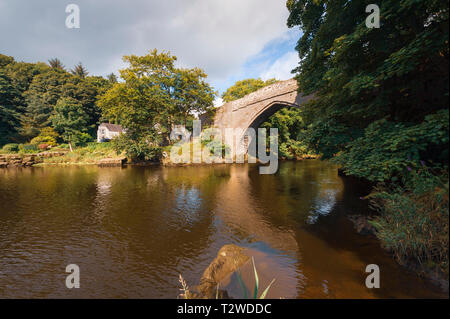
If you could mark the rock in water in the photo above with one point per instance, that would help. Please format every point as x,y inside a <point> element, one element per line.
<point>228,260</point>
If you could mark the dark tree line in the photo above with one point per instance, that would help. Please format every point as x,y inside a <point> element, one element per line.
<point>29,93</point>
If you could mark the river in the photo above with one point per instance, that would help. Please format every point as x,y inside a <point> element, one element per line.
<point>133,230</point>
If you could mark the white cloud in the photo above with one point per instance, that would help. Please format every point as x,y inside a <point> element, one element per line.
<point>281,68</point>
<point>218,101</point>
<point>216,35</point>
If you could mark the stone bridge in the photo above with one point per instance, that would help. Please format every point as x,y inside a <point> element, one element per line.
<point>255,108</point>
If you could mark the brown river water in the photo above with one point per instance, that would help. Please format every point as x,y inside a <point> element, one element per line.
<point>133,230</point>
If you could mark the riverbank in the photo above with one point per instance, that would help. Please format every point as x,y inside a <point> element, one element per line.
<point>401,219</point>
<point>91,154</point>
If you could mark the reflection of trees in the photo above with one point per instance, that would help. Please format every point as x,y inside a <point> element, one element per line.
<point>161,218</point>
<point>297,193</point>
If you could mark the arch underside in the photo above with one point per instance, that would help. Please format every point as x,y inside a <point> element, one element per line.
<point>260,118</point>
<point>268,111</point>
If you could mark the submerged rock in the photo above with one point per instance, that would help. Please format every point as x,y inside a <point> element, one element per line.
<point>229,259</point>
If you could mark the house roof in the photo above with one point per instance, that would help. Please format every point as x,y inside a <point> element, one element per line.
<point>113,127</point>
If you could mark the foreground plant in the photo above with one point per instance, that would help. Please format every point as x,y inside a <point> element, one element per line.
<point>414,218</point>
<point>185,288</point>
<point>186,294</point>
<point>255,289</point>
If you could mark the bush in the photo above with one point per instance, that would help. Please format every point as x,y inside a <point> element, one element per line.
<point>137,150</point>
<point>387,148</point>
<point>47,135</point>
<point>11,148</point>
<point>28,148</point>
<point>294,150</point>
<point>82,139</point>
<point>414,218</point>
<point>215,146</point>
<point>48,140</point>
<point>63,146</point>
<point>48,131</point>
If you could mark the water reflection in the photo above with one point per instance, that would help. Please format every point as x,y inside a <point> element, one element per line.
<point>133,230</point>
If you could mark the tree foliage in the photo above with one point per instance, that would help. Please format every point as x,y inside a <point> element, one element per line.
<point>79,70</point>
<point>154,96</point>
<point>381,111</point>
<point>71,121</point>
<point>9,109</point>
<point>243,87</point>
<point>363,78</point>
<point>56,63</point>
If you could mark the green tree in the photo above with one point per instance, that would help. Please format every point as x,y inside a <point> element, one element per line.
<point>5,60</point>
<point>112,78</point>
<point>70,120</point>
<point>41,98</point>
<point>47,88</point>
<point>79,70</point>
<point>55,63</point>
<point>85,92</point>
<point>153,96</point>
<point>191,94</point>
<point>381,111</point>
<point>397,73</point>
<point>9,109</point>
<point>20,76</point>
<point>243,87</point>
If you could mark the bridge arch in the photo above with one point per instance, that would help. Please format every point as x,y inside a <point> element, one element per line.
<point>253,109</point>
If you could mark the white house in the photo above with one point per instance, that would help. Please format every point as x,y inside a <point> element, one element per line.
<point>107,131</point>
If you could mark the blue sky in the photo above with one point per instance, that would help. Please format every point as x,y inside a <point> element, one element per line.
<point>276,60</point>
<point>231,40</point>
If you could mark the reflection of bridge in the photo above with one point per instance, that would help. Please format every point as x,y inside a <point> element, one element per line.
<point>253,109</point>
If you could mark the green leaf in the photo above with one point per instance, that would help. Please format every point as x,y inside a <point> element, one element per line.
<point>263,295</point>
<point>255,293</point>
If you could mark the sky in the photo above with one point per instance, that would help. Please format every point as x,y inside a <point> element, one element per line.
<point>229,39</point>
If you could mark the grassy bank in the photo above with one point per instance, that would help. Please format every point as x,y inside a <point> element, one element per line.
<point>89,154</point>
<point>413,221</point>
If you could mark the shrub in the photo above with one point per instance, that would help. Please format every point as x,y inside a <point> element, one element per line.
<point>47,135</point>
<point>414,218</point>
<point>63,146</point>
<point>215,146</point>
<point>48,140</point>
<point>28,148</point>
<point>82,139</point>
<point>293,149</point>
<point>387,148</point>
<point>43,140</point>
<point>48,131</point>
<point>11,148</point>
<point>137,150</point>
